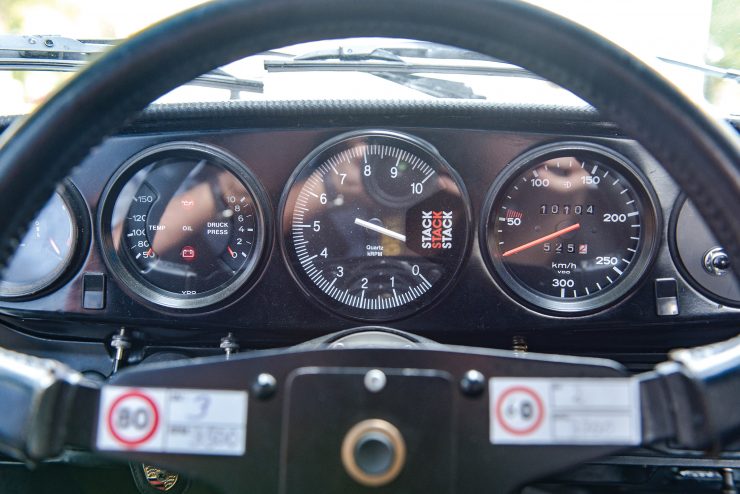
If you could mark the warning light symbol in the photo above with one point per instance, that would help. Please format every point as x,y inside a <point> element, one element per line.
<point>188,253</point>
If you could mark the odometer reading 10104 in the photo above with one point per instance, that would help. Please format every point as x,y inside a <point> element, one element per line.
<point>375,225</point>
<point>571,228</point>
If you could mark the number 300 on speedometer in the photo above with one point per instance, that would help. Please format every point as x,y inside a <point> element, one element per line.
<point>570,228</point>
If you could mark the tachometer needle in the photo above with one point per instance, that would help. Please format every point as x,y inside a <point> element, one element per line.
<point>541,240</point>
<point>380,229</point>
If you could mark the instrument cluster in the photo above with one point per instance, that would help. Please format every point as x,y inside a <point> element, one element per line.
<point>371,225</point>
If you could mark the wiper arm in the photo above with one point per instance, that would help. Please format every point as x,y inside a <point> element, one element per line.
<point>60,54</point>
<point>710,70</point>
<point>385,61</point>
<point>388,64</point>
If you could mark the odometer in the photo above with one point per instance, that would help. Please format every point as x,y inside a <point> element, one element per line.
<point>184,227</point>
<point>570,228</point>
<point>375,224</point>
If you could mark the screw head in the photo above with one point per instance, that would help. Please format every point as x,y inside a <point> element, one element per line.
<point>473,383</point>
<point>264,386</point>
<point>375,380</point>
<point>49,43</point>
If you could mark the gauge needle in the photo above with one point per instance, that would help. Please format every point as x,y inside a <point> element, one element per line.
<point>380,229</point>
<point>54,246</point>
<point>541,240</point>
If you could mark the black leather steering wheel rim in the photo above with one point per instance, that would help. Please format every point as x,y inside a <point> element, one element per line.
<point>700,153</point>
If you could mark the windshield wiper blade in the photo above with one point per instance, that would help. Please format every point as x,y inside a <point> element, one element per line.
<point>710,70</point>
<point>489,69</point>
<point>443,60</point>
<point>61,54</point>
<point>382,63</point>
<point>439,88</point>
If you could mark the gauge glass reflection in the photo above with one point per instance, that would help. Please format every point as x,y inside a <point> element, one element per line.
<point>375,225</point>
<point>187,226</point>
<point>569,229</point>
<point>44,253</point>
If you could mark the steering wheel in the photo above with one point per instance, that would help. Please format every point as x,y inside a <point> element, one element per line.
<point>700,153</point>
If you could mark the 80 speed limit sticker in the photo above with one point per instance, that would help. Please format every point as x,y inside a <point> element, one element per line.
<point>194,421</point>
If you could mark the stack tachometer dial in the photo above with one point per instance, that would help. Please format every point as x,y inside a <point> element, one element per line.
<point>570,228</point>
<point>184,225</point>
<point>375,224</point>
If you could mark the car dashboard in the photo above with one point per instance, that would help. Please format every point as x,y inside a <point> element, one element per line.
<point>211,229</point>
<point>265,296</point>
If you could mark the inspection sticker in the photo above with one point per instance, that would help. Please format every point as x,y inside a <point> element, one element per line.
<point>192,421</point>
<point>565,411</point>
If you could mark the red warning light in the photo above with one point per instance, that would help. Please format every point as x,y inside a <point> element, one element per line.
<point>188,253</point>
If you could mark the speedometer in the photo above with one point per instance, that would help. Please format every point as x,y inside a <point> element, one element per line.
<point>184,225</point>
<point>570,228</point>
<point>375,224</point>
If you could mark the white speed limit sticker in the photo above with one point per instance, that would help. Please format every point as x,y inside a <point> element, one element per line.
<point>564,411</point>
<point>194,421</point>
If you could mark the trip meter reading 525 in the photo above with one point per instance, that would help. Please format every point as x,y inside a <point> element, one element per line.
<point>375,224</point>
<point>570,228</point>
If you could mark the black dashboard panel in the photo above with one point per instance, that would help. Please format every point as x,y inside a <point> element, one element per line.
<point>273,310</point>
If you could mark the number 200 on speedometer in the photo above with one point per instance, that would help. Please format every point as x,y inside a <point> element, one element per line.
<point>570,228</point>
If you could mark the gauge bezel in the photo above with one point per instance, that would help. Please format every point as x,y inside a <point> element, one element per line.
<point>149,293</point>
<point>649,239</point>
<point>80,217</point>
<point>427,301</point>
<point>681,202</point>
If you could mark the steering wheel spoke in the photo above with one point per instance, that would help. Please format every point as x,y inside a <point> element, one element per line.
<point>405,419</point>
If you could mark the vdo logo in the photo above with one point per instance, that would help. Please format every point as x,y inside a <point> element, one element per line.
<point>436,230</point>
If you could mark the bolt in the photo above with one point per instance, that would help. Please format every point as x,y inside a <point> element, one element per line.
<point>473,383</point>
<point>49,43</point>
<point>519,344</point>
<point>229,345</point>
<point>121,343</point>
<point>375,380</point>
<point>264,386</point>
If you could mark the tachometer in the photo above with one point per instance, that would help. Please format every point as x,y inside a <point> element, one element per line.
<point>570,227</point>
<point>185,226</point>
<point>375,224</point>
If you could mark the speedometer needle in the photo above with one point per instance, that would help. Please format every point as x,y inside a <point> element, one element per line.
<point>380,229</point>
<point>541,240</point>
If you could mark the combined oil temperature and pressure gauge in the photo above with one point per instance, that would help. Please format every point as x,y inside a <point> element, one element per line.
<point>184,225</point>
<point>375,224</point>
<point>570,228</point>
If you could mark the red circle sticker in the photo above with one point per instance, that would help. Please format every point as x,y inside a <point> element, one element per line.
<point>520,411</point>
<point>133,419</point>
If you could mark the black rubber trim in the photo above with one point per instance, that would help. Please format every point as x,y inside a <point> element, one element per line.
<point>327,113</point>
<point>700,153</point>
<point>223,115</point>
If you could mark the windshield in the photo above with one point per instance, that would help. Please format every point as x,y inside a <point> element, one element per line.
<point>687,41</point>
